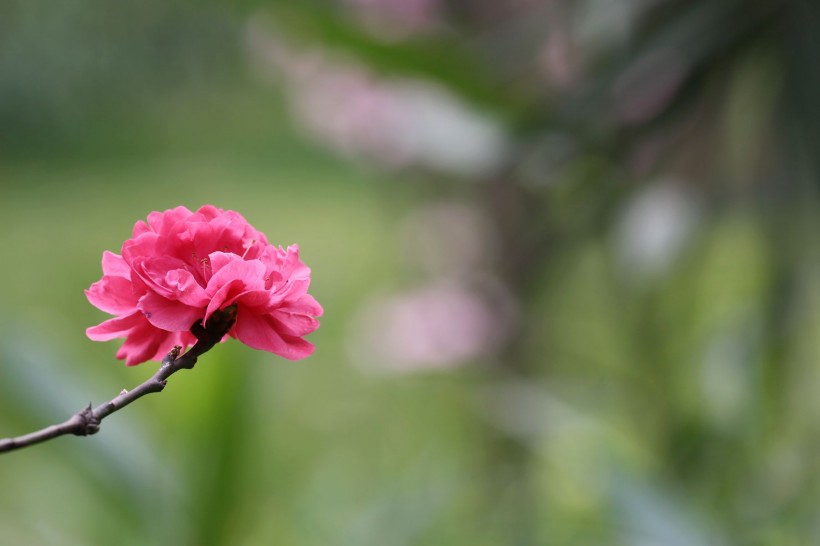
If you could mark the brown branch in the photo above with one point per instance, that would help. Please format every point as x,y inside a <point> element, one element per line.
<point>87,421</point>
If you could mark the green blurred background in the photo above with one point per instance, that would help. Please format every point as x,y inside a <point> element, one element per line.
<point>567,250</point>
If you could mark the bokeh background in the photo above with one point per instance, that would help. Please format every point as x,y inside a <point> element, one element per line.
<point>567,249</point>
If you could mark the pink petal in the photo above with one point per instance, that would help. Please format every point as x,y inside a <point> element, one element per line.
<point>220,260</point>
<point>140,227</point>
<point>257,299</point>
<point>169,315</point>
<point>218,235</point>
<point>186,288</point>
<point>305,305</point>
<point>162,222</point>
<point>294,289</point>
<point>139,247</point>
<point>209,212</point>
<point>230,267</point>
<point>144,343</point>
<point>183,339</point>
<point>196,239</point>
<point>293,324</point>
<point>114,265</point>
<point>153,272</point>
<point>115,327</point>
<point>224,297</point>
<point>113,295</point>
<point>293,266</point>
<point>258,332</point>
<point>232,278</point>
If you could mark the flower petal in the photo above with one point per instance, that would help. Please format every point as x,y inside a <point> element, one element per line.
<point>113,264</point>
<point>140,246</point>
<point>232,277</point>
<point>115,327</point>
<point>305,305</point>
<point>186,288</point>
<point>153,272</point>
<point>113,295</point>
<point>227,267</point>
<point>294,324</point>
<point>144,343</point>
<point>259,332</point>
<point>163,222</point>
<point>169,315</point>
<point>224,297</point>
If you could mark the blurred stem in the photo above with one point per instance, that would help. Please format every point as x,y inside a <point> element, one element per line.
<point>511,498</point>
<point>87,421</point>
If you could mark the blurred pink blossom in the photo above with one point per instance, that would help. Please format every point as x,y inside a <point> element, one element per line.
<point>392,122</point>
<point>439,326</point>
<point>462,314</point>
<point>392,20</point>
<point>180,267</point>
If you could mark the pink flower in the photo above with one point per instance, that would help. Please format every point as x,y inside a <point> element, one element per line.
<point>181,267</point>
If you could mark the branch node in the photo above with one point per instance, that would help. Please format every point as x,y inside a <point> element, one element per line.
<point>172,355</point>
<point>88,422</point>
